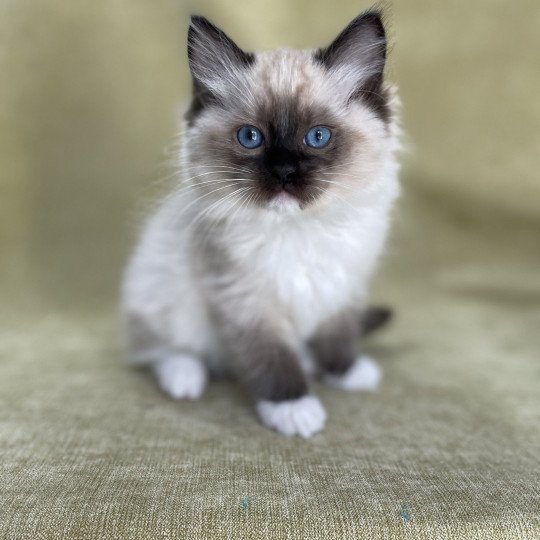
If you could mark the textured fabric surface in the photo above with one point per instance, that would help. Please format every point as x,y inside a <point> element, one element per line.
<point>448,448</point>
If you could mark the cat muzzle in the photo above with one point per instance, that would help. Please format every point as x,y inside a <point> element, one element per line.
<point>285,174</point>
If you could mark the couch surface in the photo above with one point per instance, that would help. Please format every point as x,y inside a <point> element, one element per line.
<point>448,448</point>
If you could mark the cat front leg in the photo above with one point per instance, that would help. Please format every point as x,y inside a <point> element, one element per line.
<point>180,373</point>
<point>270,368</point>
<point>334,348</point>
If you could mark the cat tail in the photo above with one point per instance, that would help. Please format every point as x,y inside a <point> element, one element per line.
<point>373,318</point>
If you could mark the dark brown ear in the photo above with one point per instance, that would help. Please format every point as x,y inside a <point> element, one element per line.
<point>213,56</point>
<point>359,53</point>
<point>214,60</point>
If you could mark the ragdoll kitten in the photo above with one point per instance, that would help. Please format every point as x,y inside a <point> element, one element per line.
<point>258,262</point>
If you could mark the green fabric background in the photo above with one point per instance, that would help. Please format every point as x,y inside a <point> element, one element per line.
<point>449,447</point>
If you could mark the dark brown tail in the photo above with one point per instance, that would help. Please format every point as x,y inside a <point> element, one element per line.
<point>374,318</point>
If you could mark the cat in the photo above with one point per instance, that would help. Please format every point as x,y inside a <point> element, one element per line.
<point>257,264</point>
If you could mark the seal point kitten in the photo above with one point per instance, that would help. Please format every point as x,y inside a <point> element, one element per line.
<point>258,262</point>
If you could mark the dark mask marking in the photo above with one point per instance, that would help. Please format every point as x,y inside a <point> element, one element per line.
<point>285,162</point>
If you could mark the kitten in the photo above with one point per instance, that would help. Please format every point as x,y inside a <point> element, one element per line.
<point>257,264</point>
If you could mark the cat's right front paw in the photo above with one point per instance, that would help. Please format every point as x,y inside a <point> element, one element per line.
<point>181,376</point>
<point>304,416</point>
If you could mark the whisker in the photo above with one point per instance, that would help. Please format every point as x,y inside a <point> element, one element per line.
<point>199,217</point>
<point>242,202</point>
<point>340,175</point>
<point>186,180</point>
<point>207,183</point>
<point>342,199</point>
<point>179,173</point>
<point>197,199</point>
<point>192,186</point>
<point>219,166</point>
<point>352,189</point>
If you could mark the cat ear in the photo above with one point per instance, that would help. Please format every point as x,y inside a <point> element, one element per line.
<point>357,58</point>
<point>214,58</point>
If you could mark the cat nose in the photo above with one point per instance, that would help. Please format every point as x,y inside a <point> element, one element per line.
<point>285,173</point>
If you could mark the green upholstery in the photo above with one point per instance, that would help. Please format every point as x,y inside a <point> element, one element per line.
<point>449,448</point>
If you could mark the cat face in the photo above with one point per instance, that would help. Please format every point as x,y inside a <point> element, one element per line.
<point>286,130</point>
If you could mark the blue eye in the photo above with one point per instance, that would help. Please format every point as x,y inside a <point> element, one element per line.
<point>318,137</point>
<point>250,137</point>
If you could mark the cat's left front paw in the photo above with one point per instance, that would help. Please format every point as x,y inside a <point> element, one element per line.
<point>304,416</point>
<point>364,374</point>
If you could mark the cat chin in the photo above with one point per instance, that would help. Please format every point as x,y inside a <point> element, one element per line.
<point>283,203</point>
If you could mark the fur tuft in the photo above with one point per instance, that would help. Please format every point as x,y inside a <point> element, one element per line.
<point>373,318</point>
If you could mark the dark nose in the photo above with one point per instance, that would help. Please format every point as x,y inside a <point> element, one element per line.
<point>284,172</point>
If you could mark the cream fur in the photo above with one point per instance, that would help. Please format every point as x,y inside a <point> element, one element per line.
<point>281,253</point>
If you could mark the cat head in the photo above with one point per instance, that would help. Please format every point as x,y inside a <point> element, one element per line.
<point>287,130</point>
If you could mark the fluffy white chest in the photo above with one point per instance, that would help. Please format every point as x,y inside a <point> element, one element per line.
<point>310,271</point>
<point>312,280</point>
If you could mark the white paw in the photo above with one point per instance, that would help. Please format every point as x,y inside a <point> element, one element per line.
<point>304,416</point>
<point>364,374</point>
<point>181,376</point>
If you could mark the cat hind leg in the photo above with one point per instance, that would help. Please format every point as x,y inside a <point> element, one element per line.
<point>363,375</point>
